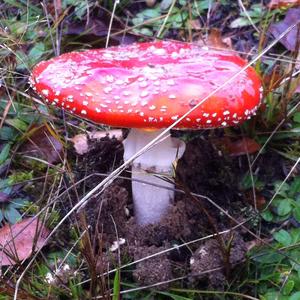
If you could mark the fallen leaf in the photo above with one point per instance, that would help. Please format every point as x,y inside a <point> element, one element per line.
<point>43,144</point>
<point>283,3</point>
<point>290,39</point>
<point>260,200</point>
<point>17,241</point>
<point>95,30</point>
<point>242,146</point>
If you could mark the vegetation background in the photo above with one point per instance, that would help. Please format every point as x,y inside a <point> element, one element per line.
<point>49,159</point>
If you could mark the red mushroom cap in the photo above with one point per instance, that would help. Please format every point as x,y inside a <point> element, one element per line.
<point>150,85</point>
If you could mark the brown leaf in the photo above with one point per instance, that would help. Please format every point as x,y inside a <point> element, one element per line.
<point>260,200</point>
<point>43,144</point>
<point>95,29</point>
<point>283,3</point>
<point>242,146</point>
<point>290,39</point>
<point>17,241</point>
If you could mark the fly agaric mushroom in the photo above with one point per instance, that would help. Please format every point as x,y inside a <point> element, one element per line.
<point>146,87</point>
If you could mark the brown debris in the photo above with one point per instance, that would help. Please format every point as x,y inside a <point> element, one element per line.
<point>209,256</point>
<point>152,270</point>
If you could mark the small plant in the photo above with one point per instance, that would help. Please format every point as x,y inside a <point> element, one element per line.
<point>10,204</point>
<point>150,20</point>
<point>278,266</point>
<point>254,15</point>
<point>286,204</point>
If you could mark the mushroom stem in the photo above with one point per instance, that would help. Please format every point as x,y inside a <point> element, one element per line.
<point>152,202</point>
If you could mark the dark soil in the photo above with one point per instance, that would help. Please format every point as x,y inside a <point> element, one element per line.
<point>203,170</point>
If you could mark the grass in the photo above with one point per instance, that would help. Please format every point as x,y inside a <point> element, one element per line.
<point>36,185</point>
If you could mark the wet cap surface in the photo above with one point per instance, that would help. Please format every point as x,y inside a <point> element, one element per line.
<point>150,85</point>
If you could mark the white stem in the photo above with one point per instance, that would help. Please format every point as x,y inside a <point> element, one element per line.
<point>150,202</point>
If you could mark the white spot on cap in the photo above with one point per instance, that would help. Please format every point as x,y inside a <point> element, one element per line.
<point>182,51</point>
<point>159,51</point>
<point>224,123</point>
<point>172,96</point>
<point>109,78</point>
<point>45,92</point>
<point>119,82</point>
<point>88,94</point>
<point>208,121</point>
<point>83,112</point>
<point>214,115</point>
<point>143,84</point>
<point>107,90</point>
<point>107,55</point>
<point>174,117</point>
<point>152,107</point>
<point>126,93</point>
<point>170,82</point>
<point>144,94</point>
<point>98,109</point>
<point>163,108</point>
<point>85,103</point>
<point>226,112</point>
<point>174,55</point>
